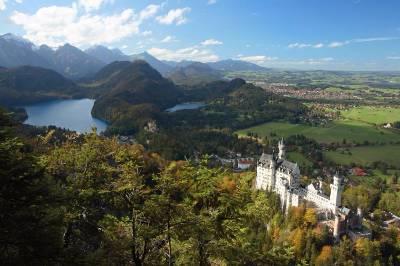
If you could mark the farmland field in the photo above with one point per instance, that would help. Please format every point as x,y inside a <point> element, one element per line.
<point>299,158</point>
<point>365,155</point>
<point>352,131</point>
<point>373,115</point>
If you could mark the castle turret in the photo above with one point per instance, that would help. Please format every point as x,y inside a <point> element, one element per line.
<point>336,191</point>
<point>272,169</point>
<point>336,229</point>
<point>282,149</point>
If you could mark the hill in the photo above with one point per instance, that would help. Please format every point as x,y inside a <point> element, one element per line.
<point>126,85</point>
<point>160,66</point>
<point>29,84</point>
<point>106,74</point>
<point>194,73</point>
<point>235,65</point>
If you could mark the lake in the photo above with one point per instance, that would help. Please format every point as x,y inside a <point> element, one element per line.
<point>70,114</point>
<point>186,106</point>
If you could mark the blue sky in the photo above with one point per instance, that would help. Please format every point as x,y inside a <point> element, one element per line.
<point>302,34</point>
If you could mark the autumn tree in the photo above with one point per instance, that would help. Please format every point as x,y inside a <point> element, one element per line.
<point>30,215</point>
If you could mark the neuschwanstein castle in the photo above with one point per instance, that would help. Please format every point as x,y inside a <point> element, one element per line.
<point>275,173</point>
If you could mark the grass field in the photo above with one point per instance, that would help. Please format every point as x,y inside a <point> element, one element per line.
<point>366,155</point>
<point>337,131</point>
<point>373,115</point>
<point>299,158</point>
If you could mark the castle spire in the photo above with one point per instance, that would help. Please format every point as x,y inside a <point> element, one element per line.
<point>282,149</point>
<point>336,190</point>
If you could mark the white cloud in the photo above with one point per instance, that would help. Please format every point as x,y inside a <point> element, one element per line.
<point>169,39</point>
<point>124,46</point>
<point>362,40</point>
<point>149,12</point>
<point>393,57</point>
<point>176,16</point>
<point>211,2</point>
<point>377,39</point>
<point>147,33</point>
<point>56,25</point>
<point>305,45</point>
<point>90,5</point>
<point>257,59</point>
<point>311,61</point>
<point>211,42</point>
<point>337,44</point>
<point>194,53</point>
<point>3,4</point>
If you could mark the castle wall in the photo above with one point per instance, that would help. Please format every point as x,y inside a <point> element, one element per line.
<point>287,187</point>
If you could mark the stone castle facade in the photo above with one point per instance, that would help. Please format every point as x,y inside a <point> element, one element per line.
<point>275,173</point>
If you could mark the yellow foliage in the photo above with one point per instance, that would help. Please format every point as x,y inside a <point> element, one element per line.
<point>227,185</point>
<point>298,242</point>
<point>310,217</point>
<point>298,212</point>
<point>325,257</point>
<point>276,233</point>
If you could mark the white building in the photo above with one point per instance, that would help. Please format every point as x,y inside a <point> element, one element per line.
<point>244,163</point>
<point>275,173</point>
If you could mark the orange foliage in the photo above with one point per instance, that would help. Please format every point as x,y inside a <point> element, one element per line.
<point>276,233</point>
<point>325,257</point>
<point>298,242</point>
<point>227,185</point>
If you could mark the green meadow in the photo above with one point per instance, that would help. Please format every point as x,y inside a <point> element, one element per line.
<point>357,125</point>
<point>299,158</point>
<point>351,131</point>
<point>366,155</point>
<point>373,115</point>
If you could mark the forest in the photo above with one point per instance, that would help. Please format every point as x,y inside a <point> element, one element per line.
<point>69,199</point>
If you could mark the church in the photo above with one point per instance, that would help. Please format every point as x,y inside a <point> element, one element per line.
<point>275,173</point>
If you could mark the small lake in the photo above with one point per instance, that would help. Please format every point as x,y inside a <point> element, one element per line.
<point>186,106</point>
<point>70,114</point>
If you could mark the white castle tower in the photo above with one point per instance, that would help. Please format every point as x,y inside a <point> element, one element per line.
<point>282,149</point>
<point>277,174</point>
<point>272,180</point>
<point>336,191</point>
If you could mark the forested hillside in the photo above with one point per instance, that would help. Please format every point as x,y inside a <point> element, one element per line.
<point>88,200</point>
<point>130,85</point>
<point>29,84</point>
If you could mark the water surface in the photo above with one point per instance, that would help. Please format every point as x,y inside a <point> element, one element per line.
<point>186,106</point>
<point>70,114</point>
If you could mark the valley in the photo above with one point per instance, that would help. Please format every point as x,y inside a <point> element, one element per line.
<point>200,133</point>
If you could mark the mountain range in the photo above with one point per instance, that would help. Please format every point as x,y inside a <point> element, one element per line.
<point>194,73</point>
<point>74,63</point>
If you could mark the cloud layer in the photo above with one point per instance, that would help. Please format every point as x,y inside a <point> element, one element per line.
<point>174,16</point>
<point>257,59</point>
<point>4,2</point>
<point>337,44</point>
<point>194,53</point>
<point>90,5</point>
<point>56,25</point>
<point>210,42</point>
